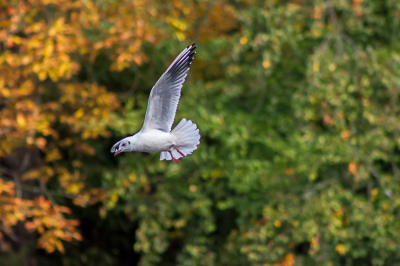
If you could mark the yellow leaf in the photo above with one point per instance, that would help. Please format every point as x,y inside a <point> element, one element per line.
<point>59,246</point>
<point>53,155</point>
<point>86,134</point>
<point>21,121</point>
<point>33,174</point>
<point>277,223</point>
<point>180,36</point>
<point>79,113</point>
<point>114,197</point>
<point>73,189</point>
<point>132,178</point>
<point>53,74</point>
<point>341,249</point>
<point>243,40</point>
<point>374,193</point>
<point>316,66</point>
<point>5,92</point>
<point>62,69</point>
<point>386,207</point>
<point>42,74</point>
<point>345,134</point>
<point>48,51</point>
<point>289,260</point>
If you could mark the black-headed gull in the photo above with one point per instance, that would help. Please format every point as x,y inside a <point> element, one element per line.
<point>156,134</point>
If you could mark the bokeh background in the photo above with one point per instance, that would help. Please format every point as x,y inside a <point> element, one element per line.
<point>297,103</point>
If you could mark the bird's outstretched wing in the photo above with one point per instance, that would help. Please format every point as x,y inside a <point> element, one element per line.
<point>164,97</point>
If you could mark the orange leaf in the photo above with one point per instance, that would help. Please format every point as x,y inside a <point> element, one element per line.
<point>289,171</point>
<point>41,143</point>
<point>30,226</point>
<point>77,236</point>
<point>353,167</point>
<point>266,64</point>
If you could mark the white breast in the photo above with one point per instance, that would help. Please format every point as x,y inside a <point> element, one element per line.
<point>154,141</point>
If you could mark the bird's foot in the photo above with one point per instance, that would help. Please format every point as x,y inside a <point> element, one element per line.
<point>175,160</point>
<point>180,151</point>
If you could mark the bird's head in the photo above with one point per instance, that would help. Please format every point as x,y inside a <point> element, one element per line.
<point>121,146</point>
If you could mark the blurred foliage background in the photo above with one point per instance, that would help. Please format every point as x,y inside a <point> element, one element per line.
<point>297,102</point>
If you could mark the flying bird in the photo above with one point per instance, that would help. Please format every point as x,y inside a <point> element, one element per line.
<point>156,134</point>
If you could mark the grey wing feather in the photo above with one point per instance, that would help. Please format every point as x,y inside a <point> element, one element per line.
<point>164,96</point>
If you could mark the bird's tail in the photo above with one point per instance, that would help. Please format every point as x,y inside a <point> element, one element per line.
<point>188,137</point>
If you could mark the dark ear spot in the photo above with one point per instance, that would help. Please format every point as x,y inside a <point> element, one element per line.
<point>129,142</point>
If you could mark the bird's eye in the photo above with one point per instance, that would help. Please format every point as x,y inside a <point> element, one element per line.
<point>123,145</point>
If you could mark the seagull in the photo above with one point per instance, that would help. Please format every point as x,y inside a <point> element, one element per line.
<point>156,134</point>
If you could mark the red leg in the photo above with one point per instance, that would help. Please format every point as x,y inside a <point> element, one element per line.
<point>175,160</point>
<point>180,151</point>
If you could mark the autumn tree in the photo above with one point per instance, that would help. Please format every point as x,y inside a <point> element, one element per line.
<point>48,113</point>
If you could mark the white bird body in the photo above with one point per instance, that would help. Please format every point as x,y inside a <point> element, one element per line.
<point>152,141</point>
<point>156,134</point>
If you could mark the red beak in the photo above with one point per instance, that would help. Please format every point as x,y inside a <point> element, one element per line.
<point>117,152</point>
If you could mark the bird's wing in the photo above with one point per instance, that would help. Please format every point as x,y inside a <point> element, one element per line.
<point>164,97</point>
